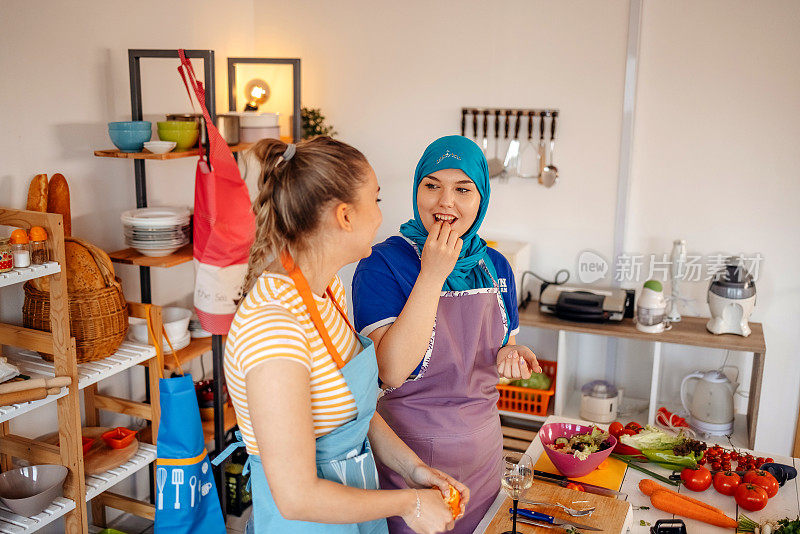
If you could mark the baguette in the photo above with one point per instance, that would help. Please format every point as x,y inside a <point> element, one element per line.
<point>37,194</point>
<point>58,201</point>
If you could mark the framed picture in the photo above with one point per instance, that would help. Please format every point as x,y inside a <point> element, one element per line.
<point>267,85</point>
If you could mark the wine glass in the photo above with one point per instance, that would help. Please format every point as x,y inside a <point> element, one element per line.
<point>517,477</point>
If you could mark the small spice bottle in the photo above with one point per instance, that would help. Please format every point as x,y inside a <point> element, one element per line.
<point>6,259</point>
<point>19,249</point>
<point>39,251</point>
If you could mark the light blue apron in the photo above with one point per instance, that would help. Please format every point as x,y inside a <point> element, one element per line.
<point>344,455</point>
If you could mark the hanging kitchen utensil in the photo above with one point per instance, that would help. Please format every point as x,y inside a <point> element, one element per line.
<point>550,172</point>
<point>495,165</point>
<point>542,153</point>
<point>527,162</point>
<point>475,125</point>
<point>512,154</point>
<point>463,122</point>
<point>485,145</point>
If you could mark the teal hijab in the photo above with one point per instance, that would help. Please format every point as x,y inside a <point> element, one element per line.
<point>457,152</point>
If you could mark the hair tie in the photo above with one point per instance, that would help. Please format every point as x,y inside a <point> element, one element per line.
<point>291,148</point>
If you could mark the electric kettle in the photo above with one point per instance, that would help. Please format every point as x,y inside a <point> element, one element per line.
<point>710,407</point>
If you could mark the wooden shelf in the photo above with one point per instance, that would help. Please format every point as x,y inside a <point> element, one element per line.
<point>130,256</point>
<point>195,349</point>
<point>116,153</point>
<point>230,422</point>
<point>689,331</point>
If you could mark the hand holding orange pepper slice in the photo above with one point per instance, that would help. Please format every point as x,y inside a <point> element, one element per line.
<point>453,500</point>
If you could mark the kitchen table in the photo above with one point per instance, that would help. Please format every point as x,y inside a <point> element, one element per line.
<point>637,520</point>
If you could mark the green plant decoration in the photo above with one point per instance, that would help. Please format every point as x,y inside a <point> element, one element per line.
<point>314,123</point>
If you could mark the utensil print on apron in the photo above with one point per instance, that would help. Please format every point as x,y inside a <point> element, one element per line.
<point>177,481</point>
<point>161,480</point>
<point>448,414</point>
<point>344,455</point>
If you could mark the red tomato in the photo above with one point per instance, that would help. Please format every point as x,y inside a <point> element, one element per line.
<point>770,461</point>
<point>726,482</point>
<point>576,487</point>
<point>615,429</point>
<point>716,466</point>
<point>628,432</point>
<point>696,478</point>
<point>633,425</point>
<point>764,480</point>
<point>751,497</point>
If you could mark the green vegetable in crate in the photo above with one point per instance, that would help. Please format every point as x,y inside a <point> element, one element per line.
<point>536,381</point>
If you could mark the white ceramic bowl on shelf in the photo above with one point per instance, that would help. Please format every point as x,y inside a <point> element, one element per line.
<point>176,325</point>
<point>160,147</point>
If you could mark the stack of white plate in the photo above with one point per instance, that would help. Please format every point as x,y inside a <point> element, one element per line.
<point>156,232</point>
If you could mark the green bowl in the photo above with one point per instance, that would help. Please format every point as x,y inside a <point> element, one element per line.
<point>185,139</point>
<point>177,125</point>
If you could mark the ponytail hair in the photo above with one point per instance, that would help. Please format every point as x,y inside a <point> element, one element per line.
<point>293,190</point>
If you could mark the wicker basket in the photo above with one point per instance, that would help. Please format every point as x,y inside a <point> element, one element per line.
<point>98,318</point>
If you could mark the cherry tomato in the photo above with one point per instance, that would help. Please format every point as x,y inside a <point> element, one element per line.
<point>615,429</point>
<point>633,425</point>
<point>764,480</point>
<point>696,478</point>
<point>716,466</point>
<point>770,461</point>
<point>726,456</point>
<point>751,497</point>
<point>576,487</point>
<point>701,461</point>
<point>726,482</point>
<point>734,456</point>
<point>627,432</point>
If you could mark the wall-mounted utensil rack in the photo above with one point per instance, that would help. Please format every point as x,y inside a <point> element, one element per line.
<point>519,132</point>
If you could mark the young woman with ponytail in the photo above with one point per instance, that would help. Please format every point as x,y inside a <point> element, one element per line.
<point>303,383</point>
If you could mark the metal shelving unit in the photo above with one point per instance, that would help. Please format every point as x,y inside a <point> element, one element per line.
<point>217,345</point>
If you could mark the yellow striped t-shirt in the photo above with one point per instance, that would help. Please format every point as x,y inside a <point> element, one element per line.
<point>272,322</point>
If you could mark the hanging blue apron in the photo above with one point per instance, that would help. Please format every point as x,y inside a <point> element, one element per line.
<point>186,498</point>
<point>344,455</point>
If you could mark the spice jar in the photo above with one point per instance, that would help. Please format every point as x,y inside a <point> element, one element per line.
<point>39,252</point>
<point>19,249</point>
<point>6,261</point>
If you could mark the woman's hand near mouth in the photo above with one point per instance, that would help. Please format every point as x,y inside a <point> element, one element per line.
<point>440,253</point>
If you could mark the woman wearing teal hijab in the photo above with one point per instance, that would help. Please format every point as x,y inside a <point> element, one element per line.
<point>440,307</point>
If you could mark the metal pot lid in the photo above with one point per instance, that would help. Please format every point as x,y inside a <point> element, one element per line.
<point>733,281</point>
<point>599,389</point>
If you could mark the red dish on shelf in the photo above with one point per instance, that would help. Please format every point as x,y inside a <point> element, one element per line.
<point>87,443</point>
<point>119,438</point>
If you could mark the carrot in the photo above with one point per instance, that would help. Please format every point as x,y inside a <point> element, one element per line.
<point>649,488</point>
<point>675,504</point>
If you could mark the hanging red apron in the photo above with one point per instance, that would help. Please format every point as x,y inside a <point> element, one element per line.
<point>224,224</point>
<point>448,415</point>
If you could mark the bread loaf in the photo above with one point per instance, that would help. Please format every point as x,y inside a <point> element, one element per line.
<point>58,201</point>
<point>37,194</point>
<point>85,266</point>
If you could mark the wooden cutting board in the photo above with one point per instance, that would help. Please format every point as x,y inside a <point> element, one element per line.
<point>100,458</point>
<point>609,475</point>
<point>609,515</point>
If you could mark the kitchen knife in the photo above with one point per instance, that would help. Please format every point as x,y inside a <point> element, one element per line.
<point>542,153</point>
<point>538,516</point>
<point>562,481</point>
<point>513,147</point>
<point>523,521</point>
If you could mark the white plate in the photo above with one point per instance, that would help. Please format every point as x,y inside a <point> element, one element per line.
<point>156,217</point>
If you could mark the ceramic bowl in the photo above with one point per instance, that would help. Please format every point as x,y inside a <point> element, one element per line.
<point>176,321</point>
<point>130,140</point>
<point>29,490</point>
<point>159,147</point>
<point>177,125</point>
<point>567,464</point>
<point>130,125</point>
<point>184,139</point>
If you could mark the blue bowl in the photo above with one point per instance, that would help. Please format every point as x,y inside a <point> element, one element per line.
<point>130,125</point>
<point>130,140</point>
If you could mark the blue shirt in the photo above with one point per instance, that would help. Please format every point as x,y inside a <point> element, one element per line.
<point>383,281</point>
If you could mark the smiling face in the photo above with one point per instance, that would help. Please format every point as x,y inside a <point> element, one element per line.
<point>449,196</point>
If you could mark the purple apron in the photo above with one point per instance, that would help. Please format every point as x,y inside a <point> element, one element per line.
<point>448,413</point>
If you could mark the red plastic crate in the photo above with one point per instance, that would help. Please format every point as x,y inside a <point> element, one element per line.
<point>527,400</point>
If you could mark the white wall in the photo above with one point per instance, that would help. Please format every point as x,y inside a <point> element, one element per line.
<point>716,121</point>
<point>64,75</point>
